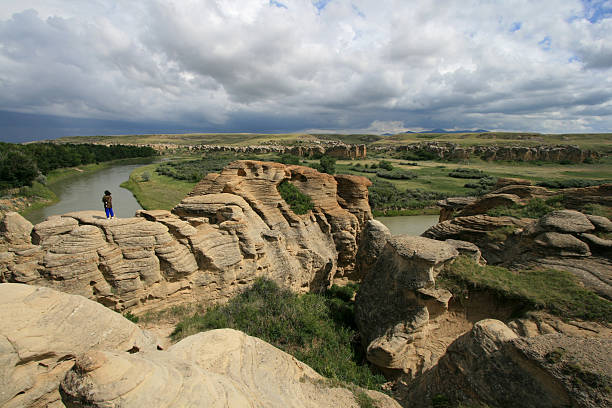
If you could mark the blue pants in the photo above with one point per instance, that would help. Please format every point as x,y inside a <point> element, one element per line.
<point>109,212</point>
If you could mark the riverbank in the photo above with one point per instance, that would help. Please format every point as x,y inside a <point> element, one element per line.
<point>154,191</point>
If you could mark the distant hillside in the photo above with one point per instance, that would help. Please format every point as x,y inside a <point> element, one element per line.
<point>596,141</point>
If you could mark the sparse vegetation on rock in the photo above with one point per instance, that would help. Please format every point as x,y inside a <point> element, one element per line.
<point>299,202</point>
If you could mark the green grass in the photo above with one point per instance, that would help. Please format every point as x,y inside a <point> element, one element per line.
<point>299,202</point>
<point>317,329</point>
<point>160,192</point>
<point>535,208</point>
<point>555,291</point>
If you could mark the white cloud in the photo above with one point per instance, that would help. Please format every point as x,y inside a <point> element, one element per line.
<point>353,64</point>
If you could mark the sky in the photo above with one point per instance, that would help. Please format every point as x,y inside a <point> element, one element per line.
<point>70,67</point>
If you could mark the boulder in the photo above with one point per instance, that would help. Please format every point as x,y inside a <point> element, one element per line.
<point>41,332</point>
<point>601,223</point>
<point>488,202</point>
<point>397,305</point>
<point>373,241</point>
<point>568,221</point>
<point>15,229</point>
<point>218,368</point>
<point>491,365</point>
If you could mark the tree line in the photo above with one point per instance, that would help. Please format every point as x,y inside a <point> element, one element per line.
<point>20,164</point>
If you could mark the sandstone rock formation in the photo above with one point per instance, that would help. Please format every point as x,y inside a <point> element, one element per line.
<point>561,240</point>
<point>491,365</point>
<point>452,151</point>
<point>233,228</point>
<point>101,359</point>
<point>397,308</point>
<point>218,368</point>
<point>41,332</point>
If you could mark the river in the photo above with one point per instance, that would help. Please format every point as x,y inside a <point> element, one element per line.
<point>409,224</point>
<point>84,192</point>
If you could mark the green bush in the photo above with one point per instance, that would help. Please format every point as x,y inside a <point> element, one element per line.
<point>396,174</point>
<point>299,202</point>
<point>313,328</point>
<point>192,170</point>
<point>385,165</point>
<point>571,183</point>
<point>327,164</point>
<point>467,173</point>
<point>535,208</point>
<point>288,158</point>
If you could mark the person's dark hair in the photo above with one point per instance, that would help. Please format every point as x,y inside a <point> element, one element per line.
<point>107,192</point>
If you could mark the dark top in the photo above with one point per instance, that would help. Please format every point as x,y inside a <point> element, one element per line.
<point>108,201</point>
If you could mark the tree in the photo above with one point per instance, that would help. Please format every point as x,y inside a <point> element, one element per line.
<point>327,164</point>
<point>16,169</point>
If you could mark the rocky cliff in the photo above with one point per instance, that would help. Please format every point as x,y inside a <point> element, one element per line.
<point>232,228</point>
<point>452,151</point>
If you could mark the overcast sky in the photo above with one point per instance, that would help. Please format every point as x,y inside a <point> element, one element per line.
<point>71,67</point>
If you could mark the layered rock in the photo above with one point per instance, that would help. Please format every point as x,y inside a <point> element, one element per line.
<point>218,368</point>
<point>41,332</point>
<point>491,365</point>
<point>398,310</point>
<point>233,228</point>
<point>452,151</point>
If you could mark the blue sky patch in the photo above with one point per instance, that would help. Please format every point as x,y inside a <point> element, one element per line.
<point>357,11</point>
<point>545,43</point>
<point>320,4</point>
<point>516,26</point>
<point>278,4</point>
<point>596,10</point>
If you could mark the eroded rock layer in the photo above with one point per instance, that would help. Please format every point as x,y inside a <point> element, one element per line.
<point>233,228</point>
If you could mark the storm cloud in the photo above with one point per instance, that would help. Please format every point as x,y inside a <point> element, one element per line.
<point>277,66</point>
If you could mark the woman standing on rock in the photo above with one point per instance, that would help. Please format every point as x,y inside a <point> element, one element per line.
<point>108,204</point>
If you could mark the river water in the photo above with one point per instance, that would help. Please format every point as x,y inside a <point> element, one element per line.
<point>84,192</point>
<point>410,224</point>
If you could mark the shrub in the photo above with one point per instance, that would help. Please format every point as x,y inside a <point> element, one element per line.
<point>385,165</point>
<point>327,164</point>
<point>467,173</point>
<point>146,176</point>
<point>192,170</point>
<point>535,208</point>
<point>571,183</point>
<point>288,158</point>
<point>306,326</point>
<point>396,174</point>
<point>299,202</point>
